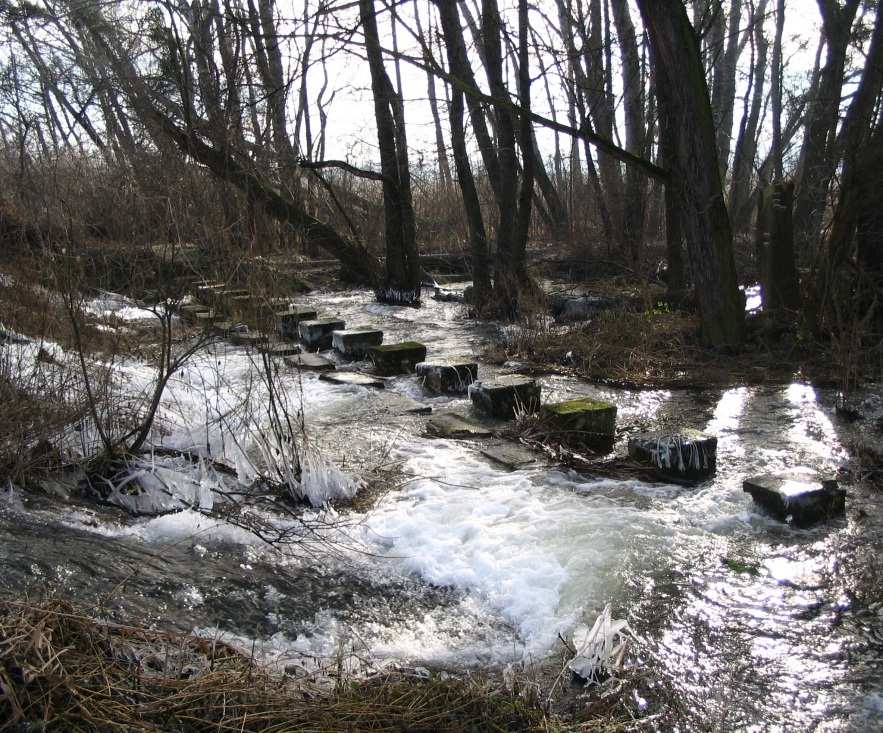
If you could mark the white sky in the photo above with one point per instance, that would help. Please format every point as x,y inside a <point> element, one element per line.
<point>351,131</point>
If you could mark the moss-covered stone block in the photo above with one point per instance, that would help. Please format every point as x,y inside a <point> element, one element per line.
<point>397,358</point>
<point>587,422</point>
<point>506,396</point>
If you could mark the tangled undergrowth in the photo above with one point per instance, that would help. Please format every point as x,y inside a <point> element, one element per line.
<point>658,348</point>
<point>60,670</point>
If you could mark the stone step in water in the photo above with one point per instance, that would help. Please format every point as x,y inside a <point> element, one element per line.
<point>457,426</point>
<point>248,338</point>
<point>310,363</point>
<point>360,380</point>
<point>446,295</point>
<point>278,349</point>
<point>583,421</point>
<point>505,396</point>
<point>686,455</point>
<point>287,320</point>
<point>355,343</point>
<point>189,311</point>
<point>206,318</point>
<point>397,358</point>
<point>224,296</point>
<point>399,404</point>
<point>210,289</point>
<point>799,500</point>
<point>316,333</point>
<point>223,327</point>
<point>448,376</point>
<point>511,456</point>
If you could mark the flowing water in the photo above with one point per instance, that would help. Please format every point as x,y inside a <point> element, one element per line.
<point>745,624</point>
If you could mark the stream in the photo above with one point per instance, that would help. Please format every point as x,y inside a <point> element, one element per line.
<point>743,623</point>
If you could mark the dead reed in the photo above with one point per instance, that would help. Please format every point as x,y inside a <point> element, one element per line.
<point>61,670</point>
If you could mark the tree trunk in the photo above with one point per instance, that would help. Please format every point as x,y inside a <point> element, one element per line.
<point>481,281</point>
<point>746,141</point>
<point>635,197</point>
<point>402,283</point>
<point>780,284</point>
<point>724,100</point>
<point>682,93</point>
<point>817,162</point>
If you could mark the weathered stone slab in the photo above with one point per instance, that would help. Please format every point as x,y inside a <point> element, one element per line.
<point>798,500</point>
<point>206,318</point>
<point>397,358</point>
<point>506,395</point>
<point>209,291</point>
<point>288,319</point>
<point>279,349</point>
<point>356,343</point>
<point>310,362</point>
<point>223,327</point>
<point>316,333</point>
<point>224,296</point>
<point>454,425</point>
<point>687,455</point>
<point>446,295</point>
<point>449,376</point>
<point>189,311</point>
<point>399,404</point>
<point>584,421</point>
<point>360,380</point>
<point>511,455</point>
<point>248,338</point>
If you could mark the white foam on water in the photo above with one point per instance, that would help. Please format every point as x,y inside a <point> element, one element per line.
<point>537,548</point>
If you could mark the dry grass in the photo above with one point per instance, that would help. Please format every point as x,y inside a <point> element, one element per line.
<point>62,671</point>
<point>659,349</point>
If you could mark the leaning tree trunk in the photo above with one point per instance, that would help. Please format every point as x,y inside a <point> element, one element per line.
<point>402,264</point>
<point>683,99</point>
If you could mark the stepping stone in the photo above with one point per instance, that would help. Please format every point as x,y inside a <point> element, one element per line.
<point>584,421</point>
<point>448,296</point>
<point>209,290</point>
<point>454,425</point>
<point>452,376</point>
<point>687,455</point>
<point>278,349</point>
<point>798,500</point>
<point>310,362</point>
<point>397,358</point>
<point>225,295</point>
<point>316,333</point>
<point>361,380</point>
<point>510,455</point>
<point>191,310</point>
<point>401,404</point>
<point>249,338</point>
<point>223,327</point>
<point>355,343</point>
<point>288,319</point>
<point>506,395</point>
<point>206,318</point>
